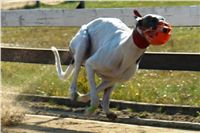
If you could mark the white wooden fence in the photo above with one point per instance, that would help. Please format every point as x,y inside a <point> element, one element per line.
<point>177,16</point>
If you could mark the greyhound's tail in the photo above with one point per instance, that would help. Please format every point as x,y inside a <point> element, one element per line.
<point>61,74</point>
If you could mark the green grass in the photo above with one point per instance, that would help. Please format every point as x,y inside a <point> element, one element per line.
<point>184,39</point>
<point>174,87</point>
<point>162,87</point>
<point>42,37</point>
<point>116,4</point>
<point>130,4</point>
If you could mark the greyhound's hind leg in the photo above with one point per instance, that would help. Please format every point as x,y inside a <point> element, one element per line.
<point>79,46</point>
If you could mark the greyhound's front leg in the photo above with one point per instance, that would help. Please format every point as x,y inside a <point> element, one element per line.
<point>93,91</point>
<point>106,96</point>
<point>106,102</point>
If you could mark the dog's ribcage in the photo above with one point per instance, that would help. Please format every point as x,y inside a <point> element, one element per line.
<point>112,51</point>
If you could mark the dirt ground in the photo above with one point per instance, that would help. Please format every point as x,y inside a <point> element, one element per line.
<point>52,124</point>
<point>53,118</point>
<point>43,108</point>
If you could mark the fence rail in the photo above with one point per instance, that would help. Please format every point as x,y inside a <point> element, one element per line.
<point>150,60</point>
<point>177,16</point>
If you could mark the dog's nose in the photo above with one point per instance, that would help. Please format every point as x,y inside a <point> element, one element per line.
<point>166,30</point>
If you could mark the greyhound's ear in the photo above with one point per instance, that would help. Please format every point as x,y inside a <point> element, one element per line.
<point>137,15</point>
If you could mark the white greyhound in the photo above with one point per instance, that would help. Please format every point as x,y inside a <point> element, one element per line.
<point>110,49</point>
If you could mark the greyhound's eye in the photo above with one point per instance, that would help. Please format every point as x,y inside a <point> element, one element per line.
<point>153,23</point>
<point>154,20</point>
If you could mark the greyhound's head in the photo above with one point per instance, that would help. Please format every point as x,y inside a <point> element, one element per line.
<point>154,28</point>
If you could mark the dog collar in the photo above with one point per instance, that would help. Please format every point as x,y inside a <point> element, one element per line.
<point>140,41</point>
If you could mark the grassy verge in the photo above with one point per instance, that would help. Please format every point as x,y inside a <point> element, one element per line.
<point>162,87</point>
<point>174,87</point>
<point>130,4</point>
<point>184,39</point>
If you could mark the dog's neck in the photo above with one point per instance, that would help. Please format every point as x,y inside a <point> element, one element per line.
<point>139,40</point>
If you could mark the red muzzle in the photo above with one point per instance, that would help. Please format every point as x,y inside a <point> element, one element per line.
<point>160,35</point>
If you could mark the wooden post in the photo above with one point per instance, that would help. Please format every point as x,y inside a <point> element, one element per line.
<point>37,4</point>
<point>81,5</point>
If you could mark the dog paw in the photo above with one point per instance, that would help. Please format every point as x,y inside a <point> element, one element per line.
<point>90,111</point>
<point>111,116</point>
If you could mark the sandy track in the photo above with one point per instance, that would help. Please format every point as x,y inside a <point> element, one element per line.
<point>50,124</point>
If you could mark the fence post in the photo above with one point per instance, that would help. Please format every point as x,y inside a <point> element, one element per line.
<point>37,4</point>
<point>81,5</point>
